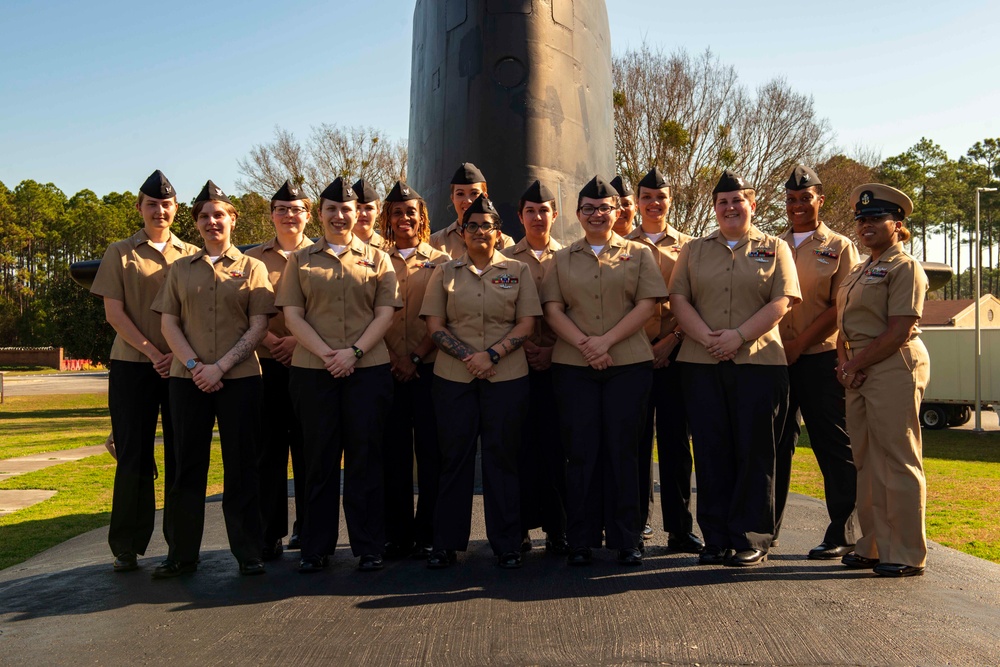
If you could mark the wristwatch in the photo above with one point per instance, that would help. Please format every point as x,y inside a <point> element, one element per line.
<point>415,358</point>
<point>494,355</point>
<point>358,352</point>
<point>191,363</point>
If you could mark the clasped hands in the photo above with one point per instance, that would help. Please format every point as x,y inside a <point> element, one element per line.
<point>595,352</point>
<point>723,344</point>
<point>850,379</point>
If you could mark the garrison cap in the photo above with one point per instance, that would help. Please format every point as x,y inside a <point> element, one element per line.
<point>623,188</point>
<point>467,174</point>
<point>157,186</point>
<point>288,192</point>
<point>654,180</point>
<point>340,191</point>
<point>365,192</point>
<point>730,182</point>
<point>802,177</point>
<point>402,192</point>
<point>211,192</point>
<point>874,199</point>
<point>538,193</point>
<point>481,205</point>
<point>598,188</point>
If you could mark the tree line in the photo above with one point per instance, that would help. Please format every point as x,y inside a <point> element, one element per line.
<point>688,115</point>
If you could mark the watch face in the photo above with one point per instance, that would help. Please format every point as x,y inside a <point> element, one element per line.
<point>191,363</point>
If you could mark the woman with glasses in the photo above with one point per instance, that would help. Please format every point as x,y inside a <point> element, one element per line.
<point>479,309</point>
<point>467,184</point>
<point>598,294</point>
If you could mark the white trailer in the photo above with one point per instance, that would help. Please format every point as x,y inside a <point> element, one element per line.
<point>950,397</point>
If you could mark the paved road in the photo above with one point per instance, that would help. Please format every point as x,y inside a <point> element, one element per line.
<point>66,606</point>
<point>72,383</point>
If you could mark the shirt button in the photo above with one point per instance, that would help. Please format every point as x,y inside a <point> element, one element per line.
<point>726,289</point>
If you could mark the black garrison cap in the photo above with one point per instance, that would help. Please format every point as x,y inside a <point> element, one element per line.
<point>654,180</point>
<point>481,205</point>
<point>623,188</point>
<point>157,186</point>
<point>875,199</point>
<point>467,174</point>
<point>802,177</point>
<point>288,192</point>
<point>538,193</point>
<point>211,192</point>
<point>730,182</point>
<point>365,192</point>
<point>598,188</point>
<point>402,192</point>
<point>340,191</point>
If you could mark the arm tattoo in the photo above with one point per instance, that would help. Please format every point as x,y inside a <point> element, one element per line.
<point>451,345</point>
<point>510,344</point>
<point>247,343</point>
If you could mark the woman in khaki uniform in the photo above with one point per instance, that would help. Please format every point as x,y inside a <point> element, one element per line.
<point>338,296</point>
<point>280,431</point>
<point>625,222</point>
<point>467,185</point>
<point>665,412</point>
<point>369,210</point>
<point>729,290</point>
<point>885,369</point>
<point>412,429</point>
<point>214,309</point>
<point>129,278</point>
<point>479,309</point>
<point>542,465</point>
<point>598,294</point>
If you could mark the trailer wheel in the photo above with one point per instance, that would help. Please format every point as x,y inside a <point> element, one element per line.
<point>960,415</point>
<point>933,417</point>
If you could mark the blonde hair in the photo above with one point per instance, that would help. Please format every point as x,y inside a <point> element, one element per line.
<point>229,208</point>
<point>749,193</point>
<point>142,197</point>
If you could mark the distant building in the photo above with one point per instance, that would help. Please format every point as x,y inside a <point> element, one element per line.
<point>961,313</point>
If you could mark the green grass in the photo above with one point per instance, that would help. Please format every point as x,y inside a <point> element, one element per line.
<point>11,371</point>
<point>37,424</point>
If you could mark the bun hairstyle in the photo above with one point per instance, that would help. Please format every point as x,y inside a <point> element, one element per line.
<point>903,233</point>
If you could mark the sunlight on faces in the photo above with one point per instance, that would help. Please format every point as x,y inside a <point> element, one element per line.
<point>477,237</point>
<point>537,219</point>
<point>654,204</point>
<point>215,221</point>
<point>338,219</point>
<point>597,224</point>
<point>878,232</point>
<point>462,196</point>
<point>289,217</point>
<point>733,211</point>
<point>626,216</point>
<point>802,207</point>
<point>404,219</point>
<point>156,213</point>
<point>367,215</point>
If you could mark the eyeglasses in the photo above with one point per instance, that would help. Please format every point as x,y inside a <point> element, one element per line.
<point>604,209</point>
<point>284,210</point>
<point>475,227</point>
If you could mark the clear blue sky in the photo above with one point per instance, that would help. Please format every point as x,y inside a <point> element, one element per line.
<point>98,94</point>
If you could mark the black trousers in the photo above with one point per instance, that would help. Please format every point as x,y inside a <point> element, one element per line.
<point>665,413</point>
<point>494,413</point>
<point>815,391</point>
<point>280,434</point>
<point>237,408</point>
<point>411,430</point>
<point>542,460</point>
<point>601,434</point>
<point>342,418</point>
<point>736,412</point>
<point>137,395</point>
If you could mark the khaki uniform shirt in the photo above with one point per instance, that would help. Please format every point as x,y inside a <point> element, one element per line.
<point>339,294</point>
<point>822,262</point>
<point>894,285</point>
<point>132,272</point>
<point>728,286</point>
<point>275,259</point>
<point>598,291</point>
<point>378,241</point>
<point>215,303</point>
<point>451,241</point>
<point>480,310</point>
<point>665,252</point>
<point>408,329</point>
<point>522,252</point>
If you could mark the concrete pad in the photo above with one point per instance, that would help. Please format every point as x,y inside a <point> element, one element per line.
<point>66,606</point>
<point>14,500</point>
<point>23,464</point>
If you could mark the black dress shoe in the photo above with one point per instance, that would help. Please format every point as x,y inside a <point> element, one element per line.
<point>441,558</point>
<point>421,551</point>
<point>526,544</point>
<point>647,532</point>
<point>687,544</point>
<point>630,557</point>
<point>370,563</point>
<point>397,550</point>
<point>312,564</point>
<point>510,560</point>
<point>272,551</point>
<point>126,562</point>
<point>856,562</point>
<point>830,551</point>
<point>579,556</point>
<point>747,558</point>
<point>252,567</point>
<point>556,544</point>
<point>169,569</point>
<point>294,542</point>
<point>898,570</point>
<point>714,555</point>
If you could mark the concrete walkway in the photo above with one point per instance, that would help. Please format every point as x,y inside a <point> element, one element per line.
<point>13,500</point>
<point>66,606</point>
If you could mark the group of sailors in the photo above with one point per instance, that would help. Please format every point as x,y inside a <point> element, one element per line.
<point>382,343</point>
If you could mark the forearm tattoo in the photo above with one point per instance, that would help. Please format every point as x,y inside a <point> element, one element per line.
<point>451,345</point>
<point>511,344</point>
<point>247,343</point>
